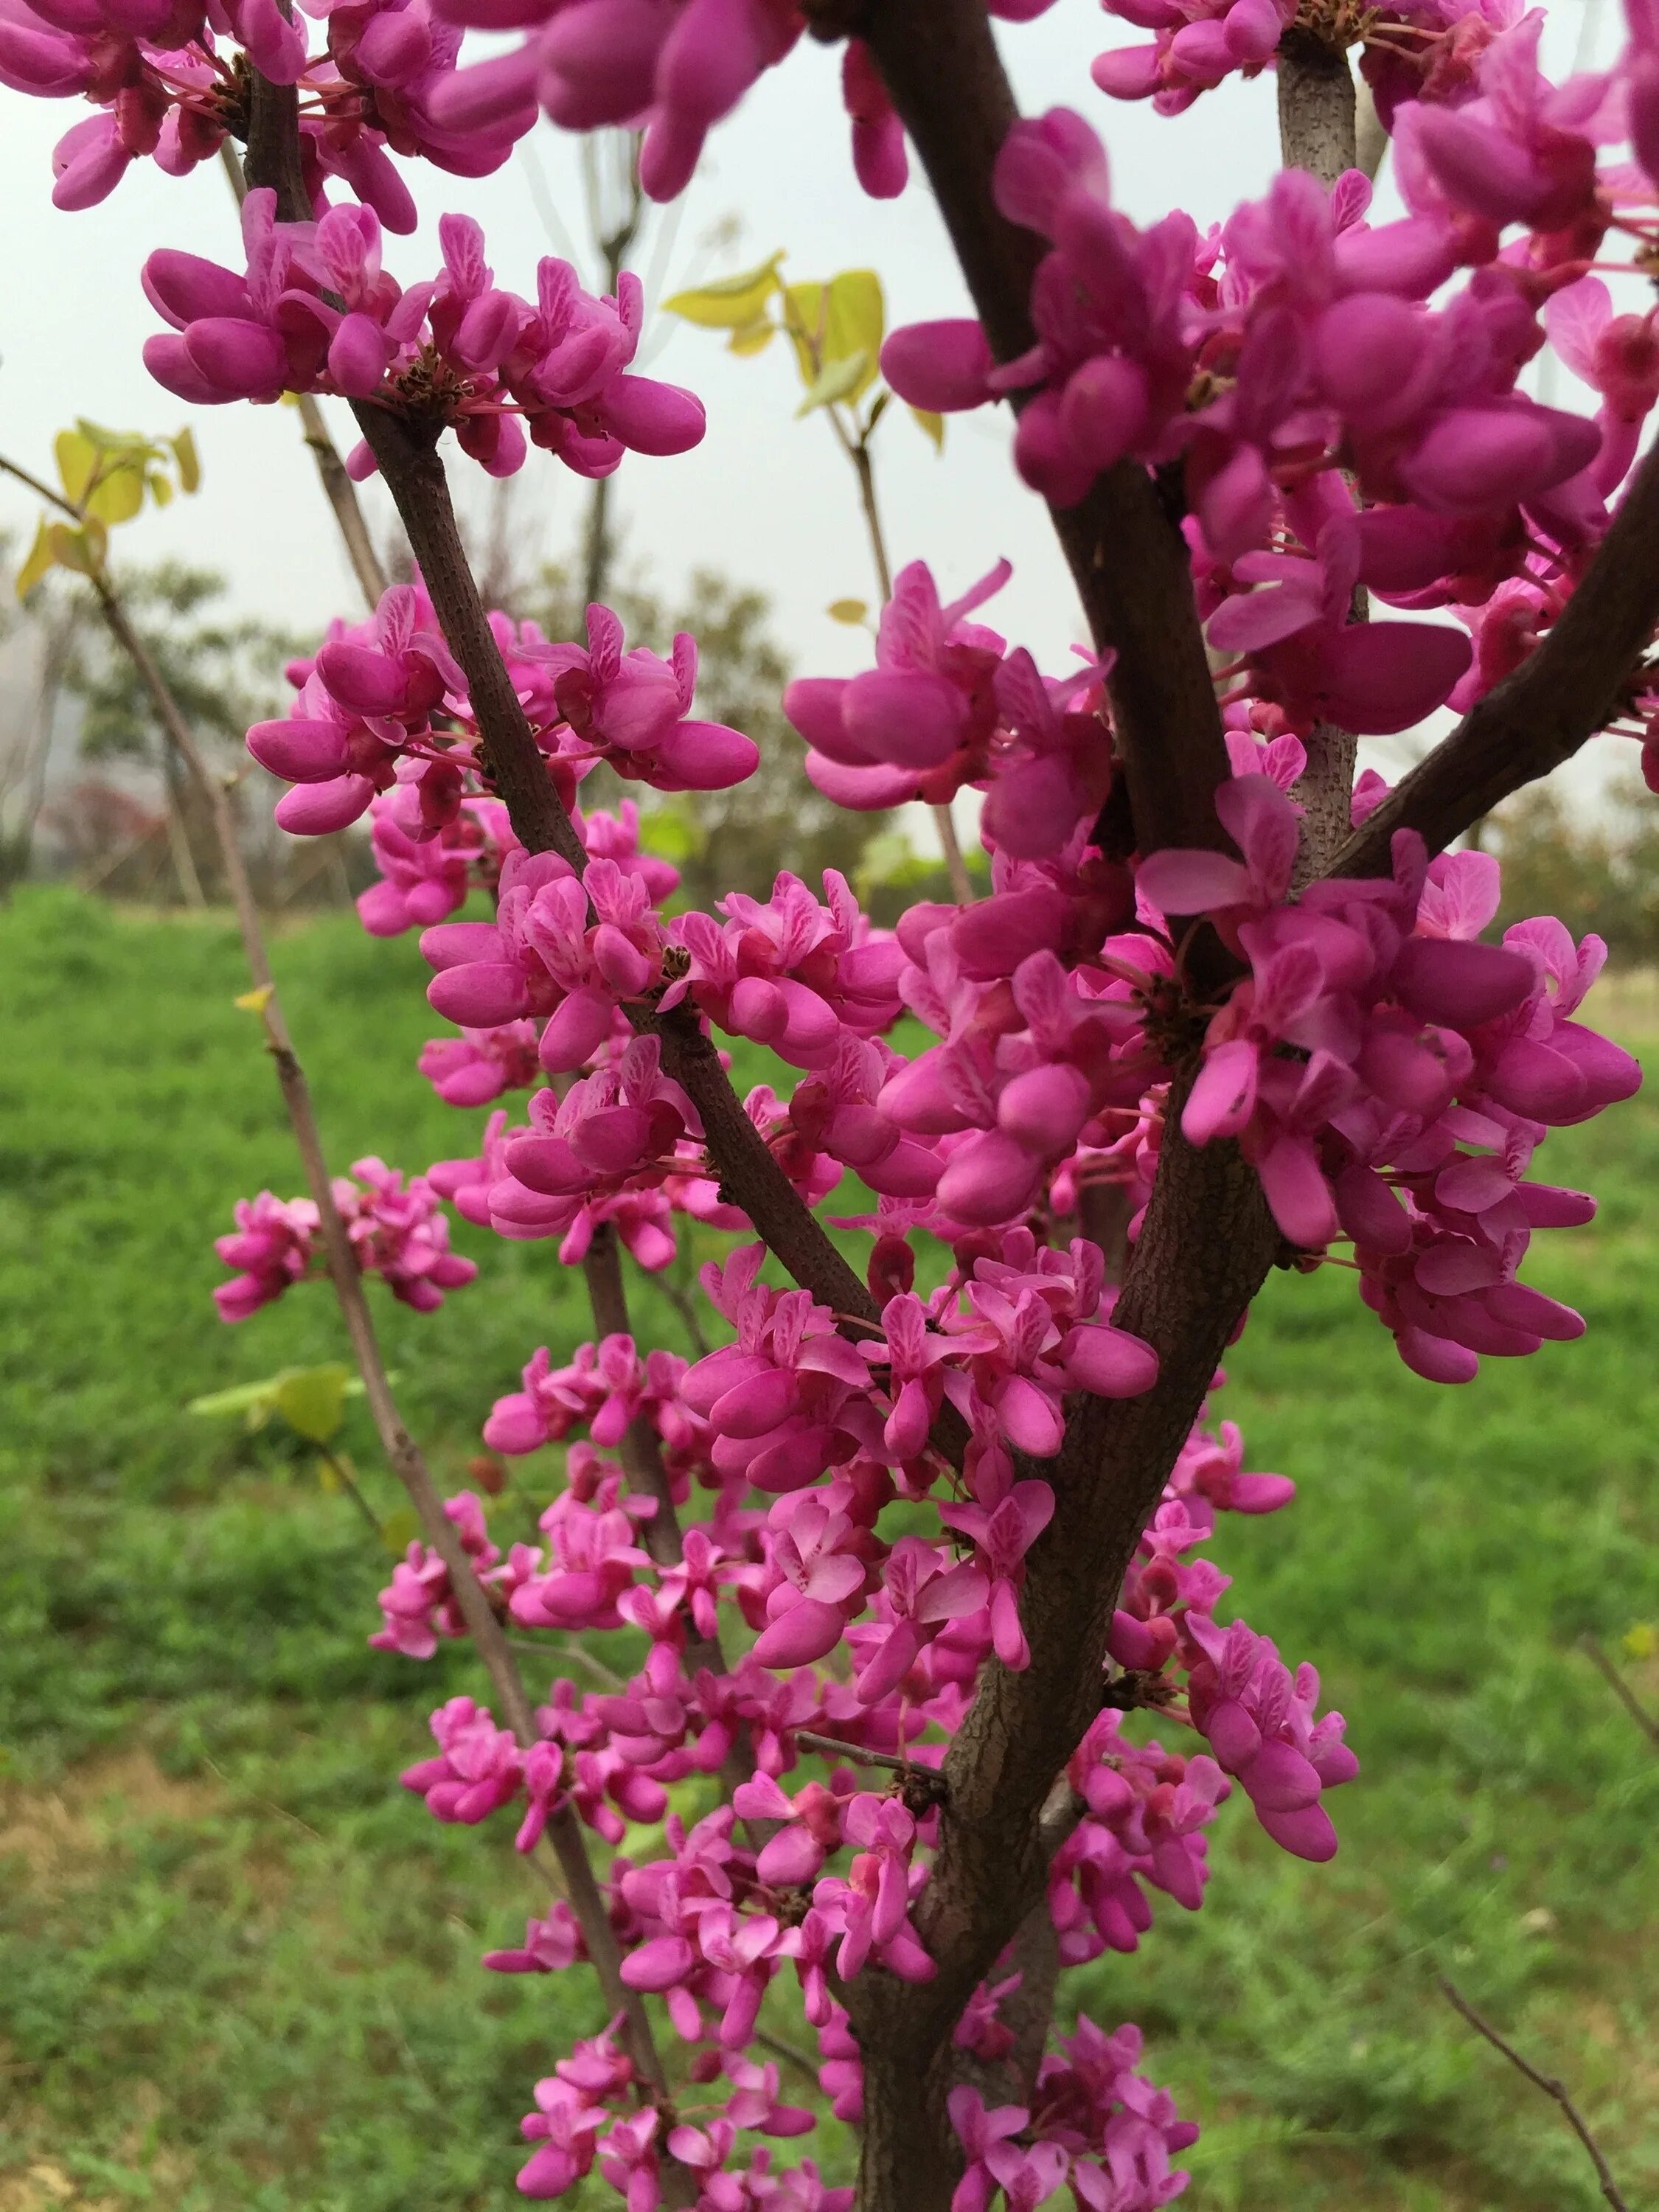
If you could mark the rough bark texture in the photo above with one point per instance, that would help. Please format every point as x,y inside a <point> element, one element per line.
<point>1316,132</point>
<point>1316,108</point>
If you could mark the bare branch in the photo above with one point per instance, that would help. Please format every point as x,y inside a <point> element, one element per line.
<point>834,1747</point>
<point>1551,2088</point>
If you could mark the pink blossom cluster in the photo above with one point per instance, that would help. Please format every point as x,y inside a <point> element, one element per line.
<point>673,70</point>
<point>796,1877</point>
<point>1094,2123</point>
<point>397,1231</point>
<point>363,726</point>
<point>947,704</point>
<point>1334,431</point>
<point>315,311</point>
<point>1390,1075</point>
<point>169,83</point>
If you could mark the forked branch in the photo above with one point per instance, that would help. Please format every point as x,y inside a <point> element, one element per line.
<point>1554,2090</point>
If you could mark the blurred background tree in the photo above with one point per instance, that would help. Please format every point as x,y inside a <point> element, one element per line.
<point>1597,871</point>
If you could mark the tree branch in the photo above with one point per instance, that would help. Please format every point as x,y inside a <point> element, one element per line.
<point>940,65</point>
<point>1551,2088</point>
<point>1316,132</point>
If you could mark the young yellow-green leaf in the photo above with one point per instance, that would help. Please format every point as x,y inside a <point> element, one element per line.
<point>399,1530</point>
<point>933,425</point>
<point>731,302</point>
<point>118,492</point>
<point>847,610</point>
<point>837,322</point>
<point>327,1478</point>
<point>803,317</point>
<point>255,1002</point>
<point>41,560</point>
<point>77,461</point>
<point>190,469</point>
<point>857,319</point>
<point>753,337</point>
<point>83,549</point>
<point>840,379</point>
<point>240,1398</point>
<point>1641,1641</point>
<point>161,487</point>
<point>312,1400</point>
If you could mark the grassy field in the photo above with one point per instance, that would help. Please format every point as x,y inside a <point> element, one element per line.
<point>238,1963</point>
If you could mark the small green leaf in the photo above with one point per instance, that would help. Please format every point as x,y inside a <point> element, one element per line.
<point>729,302</point>
<point>399,1530</point>
<point>312,1400</point>
<point>857,317</point>
<point>933,425</point>
<point>847,610</point>
<point>840,379</point>
<point>161,487</point>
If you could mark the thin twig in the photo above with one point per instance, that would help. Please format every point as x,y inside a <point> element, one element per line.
<point>858,1752</point>
<point>343,1475</point>
<point>1621,1689</point>
<point>788,2052</point>
<point>1551,2088</point>
<point>337,487</point>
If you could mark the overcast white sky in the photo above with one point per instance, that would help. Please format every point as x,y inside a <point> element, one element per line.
<point>765,499</point>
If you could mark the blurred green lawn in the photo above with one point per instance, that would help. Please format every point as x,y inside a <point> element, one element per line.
<point>238,1963</point>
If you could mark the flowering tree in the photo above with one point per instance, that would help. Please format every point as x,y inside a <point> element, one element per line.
<point>950,1514</point>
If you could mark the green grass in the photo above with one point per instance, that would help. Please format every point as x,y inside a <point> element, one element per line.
<point>238,1964</point>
